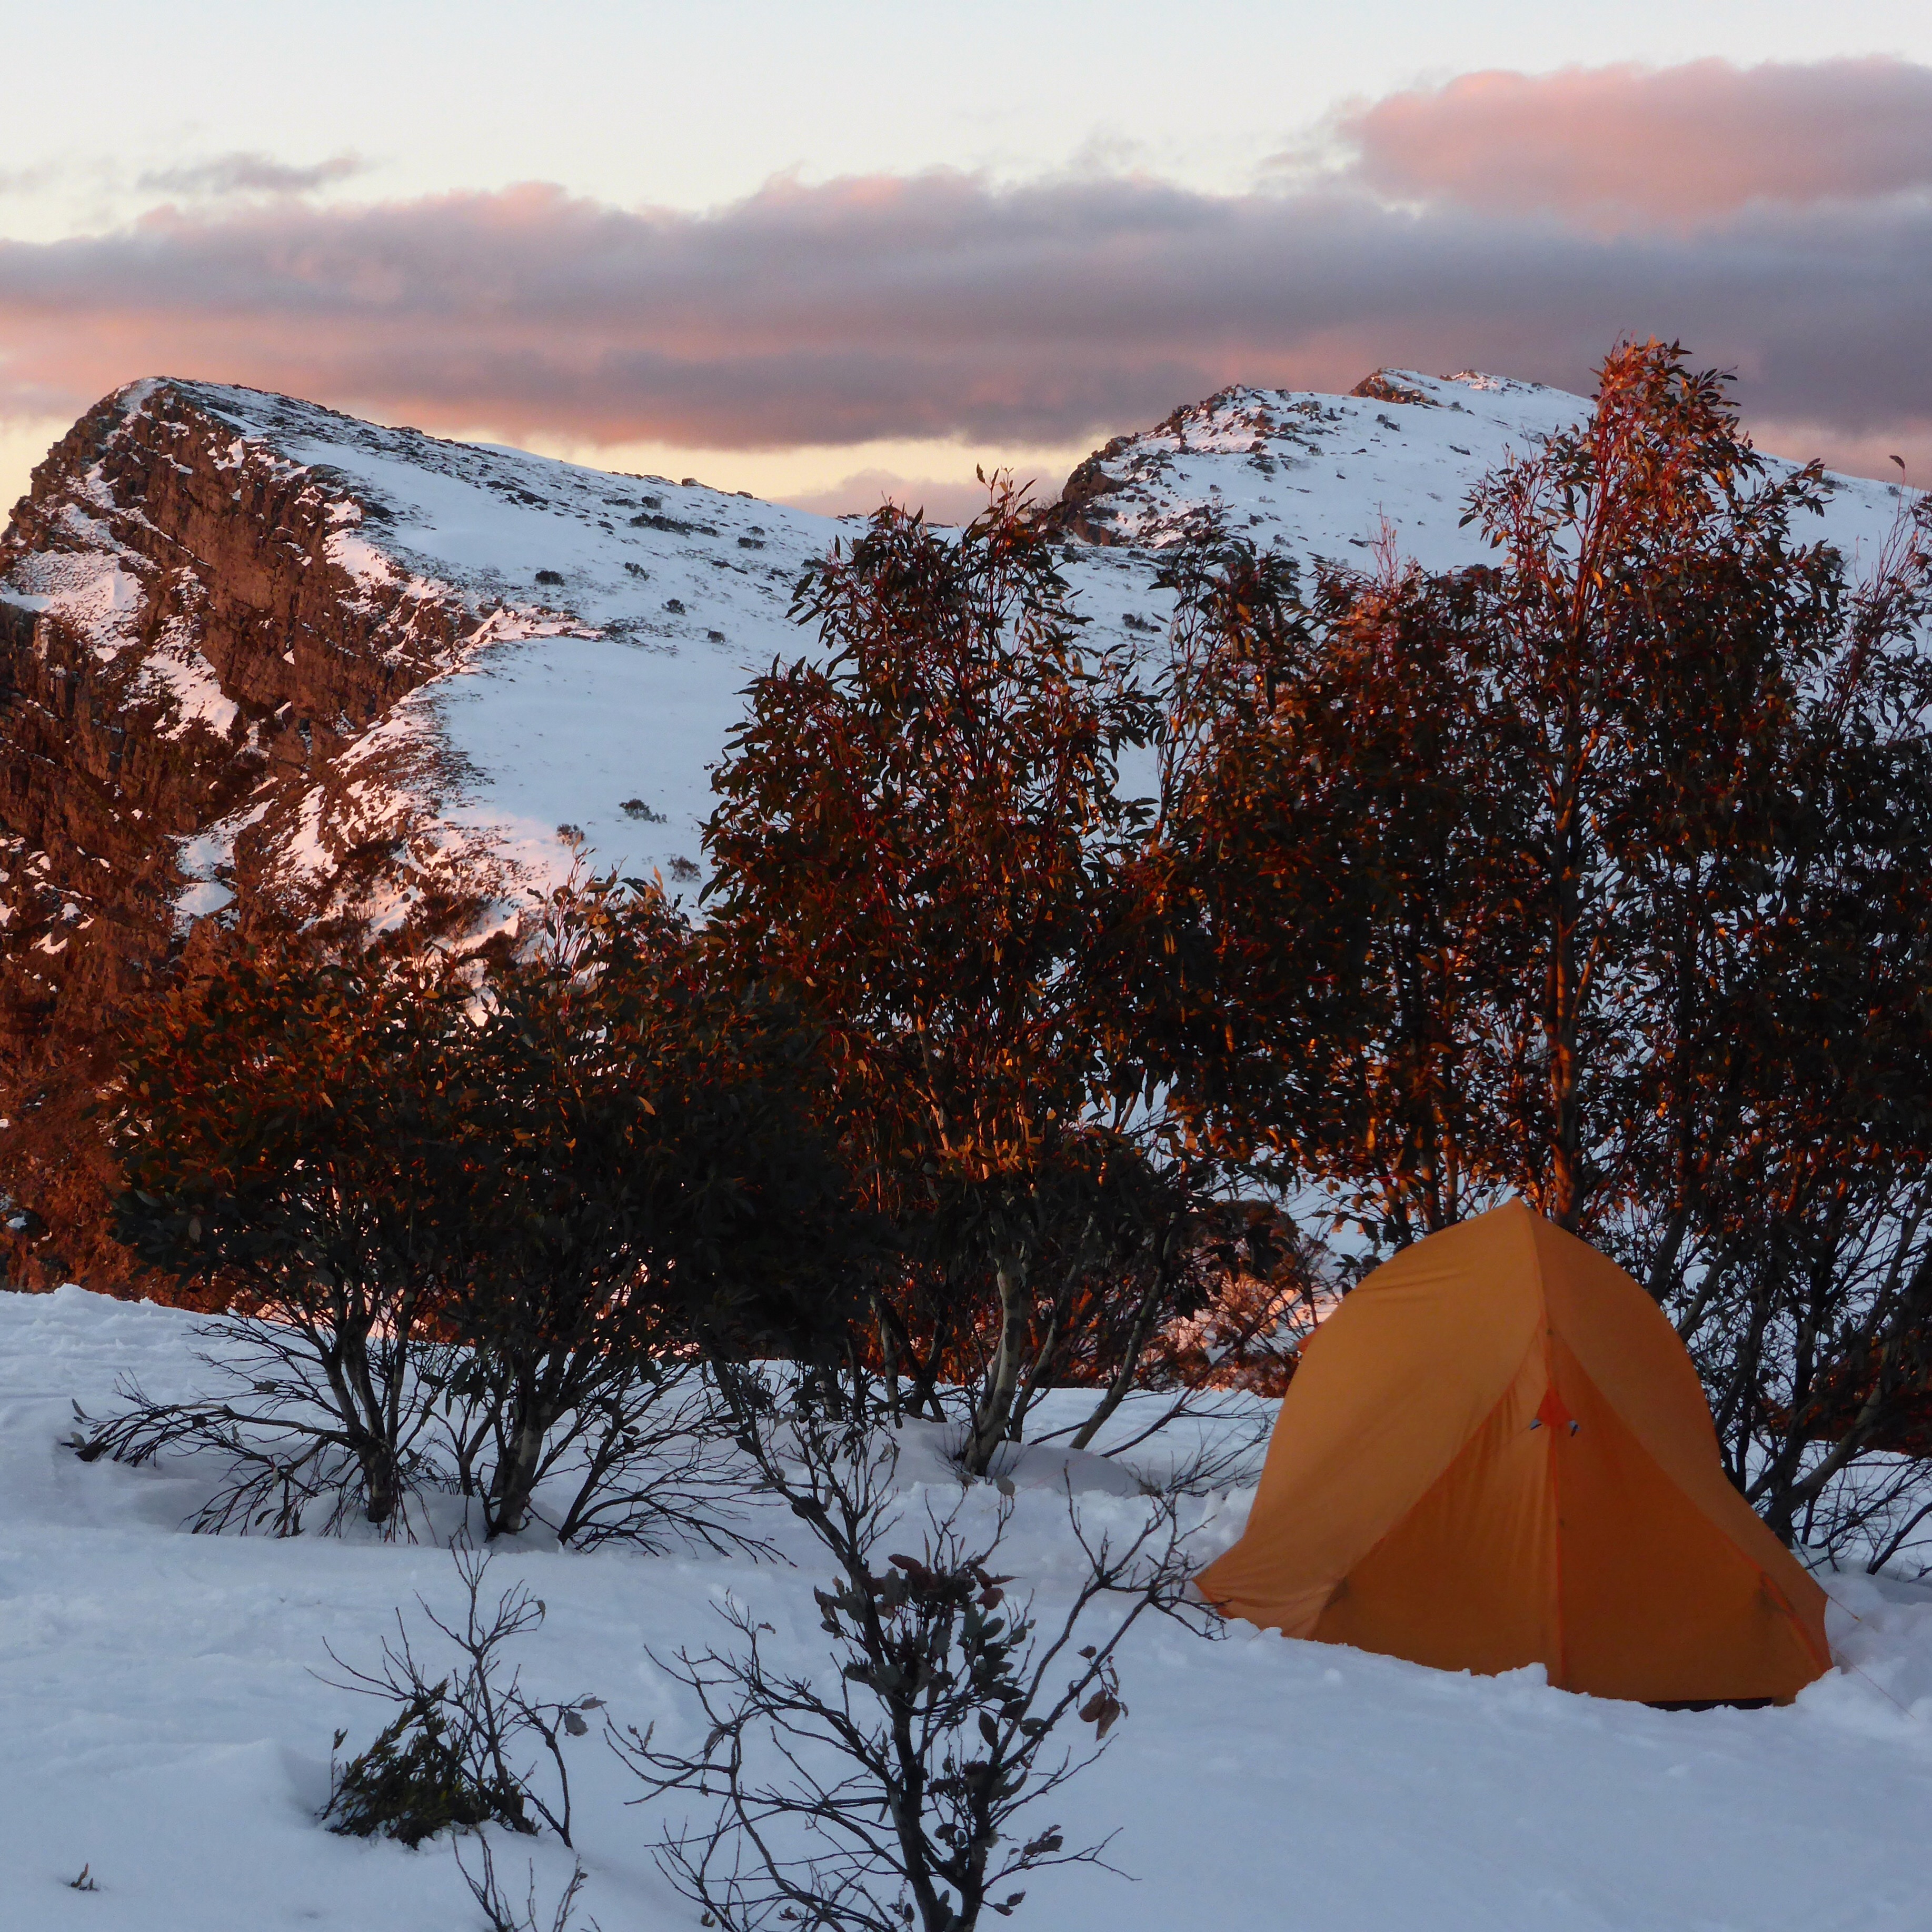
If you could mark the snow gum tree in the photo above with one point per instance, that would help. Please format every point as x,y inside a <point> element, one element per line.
<point>919,834</point>
<point>646,1182</point>
<point>483,1218</point>
<point>289,1133</point>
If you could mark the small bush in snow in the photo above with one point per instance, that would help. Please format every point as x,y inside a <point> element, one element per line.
<point>470,1747</point>
<point>500,1912</point>
<point>896,1793</point>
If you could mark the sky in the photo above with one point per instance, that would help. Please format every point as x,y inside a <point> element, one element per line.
<point>827,250</point>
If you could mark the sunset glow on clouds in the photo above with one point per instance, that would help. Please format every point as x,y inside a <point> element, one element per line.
<point>1676,146</point>
<point>1777,219</point>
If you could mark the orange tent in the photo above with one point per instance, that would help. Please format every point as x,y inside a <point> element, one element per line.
<point>1496,1453</point>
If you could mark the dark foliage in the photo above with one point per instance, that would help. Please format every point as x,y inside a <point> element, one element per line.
<point>412,1783</point>
<point>290,1134</point>
<point>920,837</point>
<point>453,1756</point>
<point>477,1220</point>
<point>643,1169</point>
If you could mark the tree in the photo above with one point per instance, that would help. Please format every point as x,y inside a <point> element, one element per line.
<point>646,1176</point>
<point>1794,1104</point>
<point>917,838</point>
<point>1595,875</point>
<point>1313,921</point>
<point>1653,627</point>
<point>479,1220</point>
<point>287,1129</point>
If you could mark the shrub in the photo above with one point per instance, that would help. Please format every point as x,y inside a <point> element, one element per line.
<point>290,1136</point>
<point>479,1220</point>
<point>896,1797</point>
<point>455,1753</point>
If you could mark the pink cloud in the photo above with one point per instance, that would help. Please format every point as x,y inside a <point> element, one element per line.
<point>940,306</point>
<point>944,499</point>
<point>1672,143</point>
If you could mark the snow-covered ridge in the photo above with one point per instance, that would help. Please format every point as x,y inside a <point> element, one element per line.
<point>619,616</point>
<point>1321,475</point>
<point>605,625</point>
<point>612,619</point>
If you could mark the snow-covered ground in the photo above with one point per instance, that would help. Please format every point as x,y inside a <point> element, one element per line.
<point>161,1723</point>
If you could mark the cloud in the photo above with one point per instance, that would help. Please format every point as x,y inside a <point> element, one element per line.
<point>1673,144</point>
<point>940,306</point>
<point>248,173</point>
<point>949,500</point>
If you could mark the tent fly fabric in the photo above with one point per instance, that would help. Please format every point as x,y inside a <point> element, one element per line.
<point>1497,1452</point>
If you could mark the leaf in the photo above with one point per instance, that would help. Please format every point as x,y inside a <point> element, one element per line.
<point>573,1724</point>
<point>989,1730</point>
<point>1101,1710</point>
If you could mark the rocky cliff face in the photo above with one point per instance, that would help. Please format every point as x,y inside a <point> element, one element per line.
<point>256,655</point>
<point>181,630</point>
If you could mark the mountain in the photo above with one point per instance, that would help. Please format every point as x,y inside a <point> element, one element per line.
<point>255,653</point>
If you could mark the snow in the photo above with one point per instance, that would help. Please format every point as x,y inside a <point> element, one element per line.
<point>164,1726</point>
<point>88,589</point>
<point>1319,475</point>
<point>175,672</point>
<point>202,860</point>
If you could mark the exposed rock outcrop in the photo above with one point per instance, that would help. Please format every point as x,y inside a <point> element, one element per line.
<point>183,624</point>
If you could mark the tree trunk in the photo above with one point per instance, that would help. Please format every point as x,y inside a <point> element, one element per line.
<point>516,1475</point>
<point>381,1487</point>
<point>996,1406</point>
<point>1123,1376</point>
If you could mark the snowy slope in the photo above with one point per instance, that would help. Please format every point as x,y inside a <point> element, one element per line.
<point>162,1725</point>
<point>614,620</point>
<point>1320,475</point>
